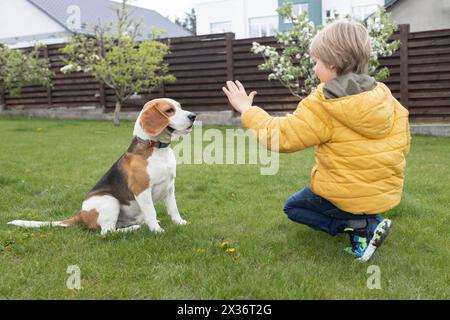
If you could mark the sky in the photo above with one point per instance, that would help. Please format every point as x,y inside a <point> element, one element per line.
<point>167,8</point>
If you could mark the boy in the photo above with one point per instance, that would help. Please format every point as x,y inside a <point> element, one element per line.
<point>361,138</point>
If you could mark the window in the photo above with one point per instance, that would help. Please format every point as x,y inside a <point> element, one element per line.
<point>298,9</point>
<point>362,12</point>
<point>220,27</point>
<point>263,26</point>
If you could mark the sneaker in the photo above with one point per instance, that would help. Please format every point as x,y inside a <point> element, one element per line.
<point>366,240</point>
<point>359,244</point>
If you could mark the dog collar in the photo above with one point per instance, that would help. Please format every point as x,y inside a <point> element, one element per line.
<point>158,144</point>
<point>152,143</point>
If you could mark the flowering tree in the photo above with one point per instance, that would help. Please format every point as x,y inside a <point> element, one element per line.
<point>116,58</point>
<point>293,66</point>
<point>18,69</point>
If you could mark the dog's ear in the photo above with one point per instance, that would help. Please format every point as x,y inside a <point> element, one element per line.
<point>153,119</point>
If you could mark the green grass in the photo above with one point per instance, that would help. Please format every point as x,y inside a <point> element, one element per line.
<point>48,166</point>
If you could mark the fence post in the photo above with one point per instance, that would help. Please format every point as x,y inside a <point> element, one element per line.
<point>404,92</point>
<point>49,88</point>
<point>2,101</point>
<point>102,96</point>
<point>229,37</point>
<point>162,90</point>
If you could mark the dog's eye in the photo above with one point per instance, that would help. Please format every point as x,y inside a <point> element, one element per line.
<point>170,111</point>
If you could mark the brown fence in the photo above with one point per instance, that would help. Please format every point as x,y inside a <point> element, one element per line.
<point>420,77</point>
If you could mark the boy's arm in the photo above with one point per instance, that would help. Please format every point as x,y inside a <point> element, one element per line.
<point>306,127</point>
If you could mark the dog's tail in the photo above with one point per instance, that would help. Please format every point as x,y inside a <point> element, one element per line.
<point>39,224</point>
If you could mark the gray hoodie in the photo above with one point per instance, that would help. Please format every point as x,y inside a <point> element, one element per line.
<point>347,85</point>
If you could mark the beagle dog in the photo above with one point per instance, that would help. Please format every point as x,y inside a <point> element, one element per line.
<point>123,199</point>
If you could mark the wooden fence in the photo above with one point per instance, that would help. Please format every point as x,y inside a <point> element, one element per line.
<point>420,77</point>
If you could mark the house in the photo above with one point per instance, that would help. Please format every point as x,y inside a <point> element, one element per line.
<point>24,22</point>
<point>320,10</point>
<point>257,18</point>
<point>421,15</point>
<point>246,18</point>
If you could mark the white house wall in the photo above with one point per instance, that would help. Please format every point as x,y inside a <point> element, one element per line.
<point>346,7</point>
<point>19,19</point>
<point>237,11</point>
<point>423,15</point>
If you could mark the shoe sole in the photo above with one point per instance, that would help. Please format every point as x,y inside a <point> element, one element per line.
<point>383,230</point>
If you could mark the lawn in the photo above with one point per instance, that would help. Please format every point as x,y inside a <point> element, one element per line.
<point>48,166</point>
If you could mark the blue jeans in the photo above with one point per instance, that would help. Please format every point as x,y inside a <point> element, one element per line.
<point>307,208</point>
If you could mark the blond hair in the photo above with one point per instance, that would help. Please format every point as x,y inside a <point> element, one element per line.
<point>345,45</point>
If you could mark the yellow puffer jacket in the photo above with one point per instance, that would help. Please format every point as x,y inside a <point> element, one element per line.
<point>361,142</point>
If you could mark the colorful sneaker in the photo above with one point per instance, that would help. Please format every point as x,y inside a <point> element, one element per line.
<point>365,241</point>
<point>359,244</point>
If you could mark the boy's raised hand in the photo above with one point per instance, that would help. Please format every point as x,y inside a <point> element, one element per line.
<point>238,97</point>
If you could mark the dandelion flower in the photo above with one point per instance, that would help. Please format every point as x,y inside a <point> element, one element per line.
<point>225,244</point>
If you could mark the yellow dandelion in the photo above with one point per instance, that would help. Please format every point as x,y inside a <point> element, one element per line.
<point>200,250</point>
<point>225,244</point>
<point>39,129</point>
<point>231,250</point>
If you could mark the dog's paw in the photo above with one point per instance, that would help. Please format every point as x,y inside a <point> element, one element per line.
<point>180,221</point>
<point>156,229</point>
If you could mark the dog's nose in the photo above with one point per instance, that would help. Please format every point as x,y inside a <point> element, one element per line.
<point>192,116</point>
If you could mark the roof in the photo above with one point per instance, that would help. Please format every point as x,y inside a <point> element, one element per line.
<point>94,11</point>
<point>390,3</point>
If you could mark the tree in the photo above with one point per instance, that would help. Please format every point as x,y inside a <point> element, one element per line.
<point>19,69</point>
<point>189,22</point>
<point>115,57</point>
<point>293,66</point>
